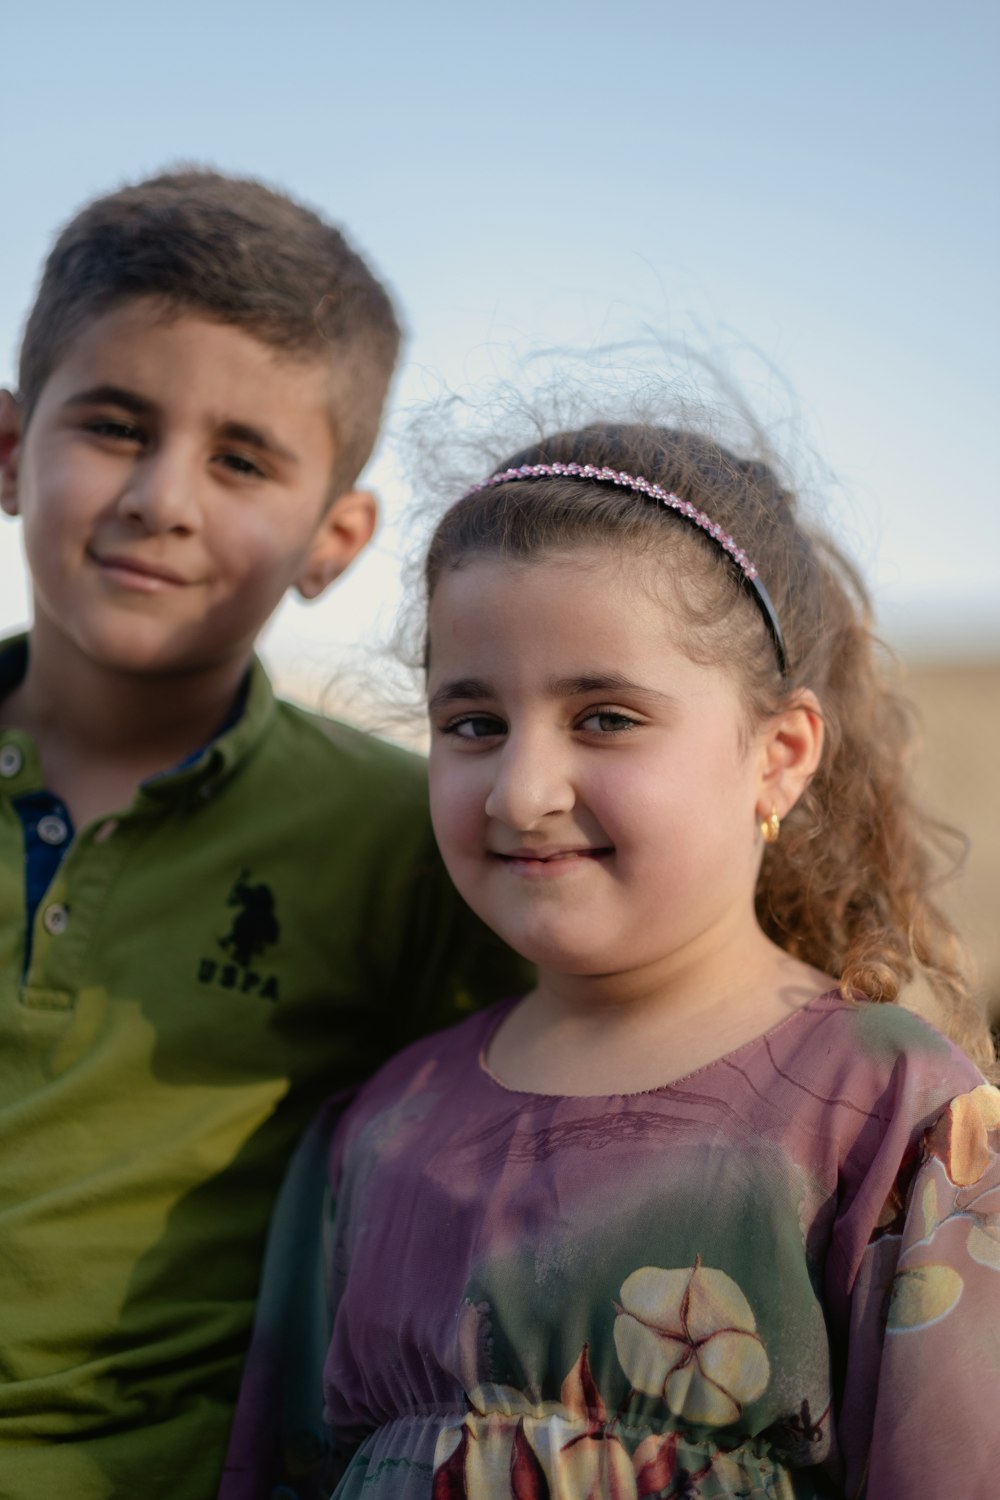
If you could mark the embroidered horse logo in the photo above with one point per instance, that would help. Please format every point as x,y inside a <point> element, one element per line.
<point>255,926</point>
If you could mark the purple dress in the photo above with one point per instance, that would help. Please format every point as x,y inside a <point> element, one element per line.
<point>777,1276</point>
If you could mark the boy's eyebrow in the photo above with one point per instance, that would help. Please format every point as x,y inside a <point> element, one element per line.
<point>112,395</point>
<point>141,406</point>
<point>257,437</point>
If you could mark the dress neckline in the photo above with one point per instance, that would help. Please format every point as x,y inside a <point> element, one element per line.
<point>831,998</point>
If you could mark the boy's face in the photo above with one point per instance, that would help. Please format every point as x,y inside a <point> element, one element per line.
<point>173,483</point>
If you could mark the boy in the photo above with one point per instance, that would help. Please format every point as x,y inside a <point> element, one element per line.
<point>214,908</point>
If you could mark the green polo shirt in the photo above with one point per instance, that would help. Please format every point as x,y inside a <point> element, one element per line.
<point>259,928</point>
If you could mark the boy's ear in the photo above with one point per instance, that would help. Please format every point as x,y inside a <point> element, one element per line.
<point>791,746</point>
<point>345,529</point>
<point>10,448</point>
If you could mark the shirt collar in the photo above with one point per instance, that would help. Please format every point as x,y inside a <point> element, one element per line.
<point>204,772</point>
<point>201,773</point>
<point>13,663</point>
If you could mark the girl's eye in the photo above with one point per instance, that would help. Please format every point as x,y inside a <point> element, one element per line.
<point>475,727</point>
<point>608,721</point>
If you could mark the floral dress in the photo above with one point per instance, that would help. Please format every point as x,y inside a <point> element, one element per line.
<point>777,1276</point>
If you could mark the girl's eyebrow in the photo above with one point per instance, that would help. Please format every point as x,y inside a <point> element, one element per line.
<point>462,688</point>
<point>474,688</point>
<point>603,682</point>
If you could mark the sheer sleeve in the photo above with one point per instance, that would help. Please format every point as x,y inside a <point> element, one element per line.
<point>279,1437</point>
<point>920,1415</point>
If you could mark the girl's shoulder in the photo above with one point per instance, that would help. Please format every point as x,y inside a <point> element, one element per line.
<point>878,1035</point>
<point>861,1057</point>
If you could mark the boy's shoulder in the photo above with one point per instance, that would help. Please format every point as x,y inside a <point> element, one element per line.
<point>324,741</point>
<point>295,754</point>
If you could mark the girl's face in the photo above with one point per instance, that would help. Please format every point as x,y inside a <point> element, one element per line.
<point>594,792</point>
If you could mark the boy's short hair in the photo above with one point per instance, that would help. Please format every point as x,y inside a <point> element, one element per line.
<point>237,251</point>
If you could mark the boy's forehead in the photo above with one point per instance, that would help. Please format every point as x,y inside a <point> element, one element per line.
<point>165,354</point>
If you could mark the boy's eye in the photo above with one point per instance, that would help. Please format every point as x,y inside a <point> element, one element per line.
<point>238,463</point>
<point>475,727</point>
<point>607,721</point>
<point>117,431</point>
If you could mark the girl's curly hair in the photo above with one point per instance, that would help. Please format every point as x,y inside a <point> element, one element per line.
<point>849,886</point>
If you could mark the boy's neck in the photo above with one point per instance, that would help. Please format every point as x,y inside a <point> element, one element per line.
<point>100,733</point>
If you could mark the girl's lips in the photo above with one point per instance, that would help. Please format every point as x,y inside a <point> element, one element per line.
<point>547,854</point>
<point>541,863</point>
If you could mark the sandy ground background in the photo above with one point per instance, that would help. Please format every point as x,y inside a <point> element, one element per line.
<point>959,773</point>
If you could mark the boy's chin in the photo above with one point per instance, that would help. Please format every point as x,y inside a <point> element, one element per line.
<point>142,652</point>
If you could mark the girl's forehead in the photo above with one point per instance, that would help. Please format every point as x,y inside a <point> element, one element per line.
<point>584,610</point>
<point>626,570</point>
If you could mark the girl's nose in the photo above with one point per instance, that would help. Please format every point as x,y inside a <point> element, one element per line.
<point>161,494</point>
<point>532,781</point>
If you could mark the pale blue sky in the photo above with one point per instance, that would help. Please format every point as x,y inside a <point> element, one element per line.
<point>816,184</point>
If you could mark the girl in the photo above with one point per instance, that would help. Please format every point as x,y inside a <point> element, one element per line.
<point>705,1213</point>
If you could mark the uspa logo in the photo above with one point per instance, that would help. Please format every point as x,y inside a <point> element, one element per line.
<point>254,929</point>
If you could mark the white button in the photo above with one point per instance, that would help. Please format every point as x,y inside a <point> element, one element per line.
<point>52,829</point>
<point>11,760</point>
<point>106,831</point>
<point>55,919</point>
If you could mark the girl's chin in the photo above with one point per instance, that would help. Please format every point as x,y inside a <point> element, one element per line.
<point>559,959</point>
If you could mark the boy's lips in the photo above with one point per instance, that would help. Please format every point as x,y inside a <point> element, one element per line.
<point>136,573</point>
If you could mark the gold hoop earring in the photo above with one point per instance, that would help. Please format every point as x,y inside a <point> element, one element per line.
<point>770,827</point>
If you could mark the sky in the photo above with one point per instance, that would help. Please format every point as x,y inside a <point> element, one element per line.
<point>802,197</point>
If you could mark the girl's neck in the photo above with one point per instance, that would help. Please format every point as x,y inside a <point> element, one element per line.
<point>628,1033</point>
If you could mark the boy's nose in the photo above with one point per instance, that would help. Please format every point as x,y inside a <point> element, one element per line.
<point>531,782</point>
<point>161,494</point>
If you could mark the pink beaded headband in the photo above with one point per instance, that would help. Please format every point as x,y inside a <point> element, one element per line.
<point>640,486</point>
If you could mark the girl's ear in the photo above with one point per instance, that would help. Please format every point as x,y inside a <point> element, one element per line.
<point>10,448</point>
<point>345,529</point>
<point>791,747</point>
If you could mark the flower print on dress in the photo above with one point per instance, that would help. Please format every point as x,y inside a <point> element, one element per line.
<point>922,1295</point>
<point>492,1457</point>
<point>960,1137</point>
<point>957,1152</point>
<point>510,1446</point>
<point>965,1140</point>
<point>691,1336</point>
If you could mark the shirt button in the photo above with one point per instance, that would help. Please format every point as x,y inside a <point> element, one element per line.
<point>106,831</point>
<point>52,829</point>
<point>55,919</point>
<point>11,760</point>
